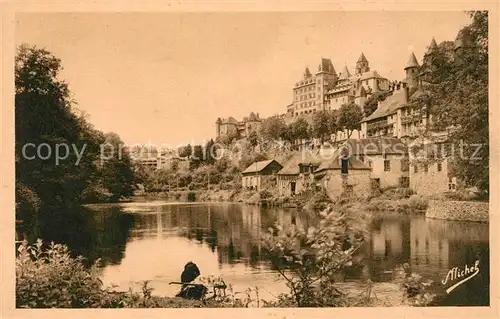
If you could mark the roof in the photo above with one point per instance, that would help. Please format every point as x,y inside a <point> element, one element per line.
<point>390,105</point>
<point>229,120</point>
<point>412,62</point>
<point>258,166</point>
<point>292,166</point>
<point>345,74</point>
<point>433,44</point>
<point>326,65</point>
<point>362,58</point>
<point>374,146</point>
<point>253,117</point>
<point>370,75</point>
<point>383,110</point>
<point>354,164</point>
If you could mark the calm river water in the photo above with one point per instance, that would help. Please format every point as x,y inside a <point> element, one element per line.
<point>154,240</point>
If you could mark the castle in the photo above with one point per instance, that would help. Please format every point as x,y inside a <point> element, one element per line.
<point>327,90</point>
<point>240,129</point>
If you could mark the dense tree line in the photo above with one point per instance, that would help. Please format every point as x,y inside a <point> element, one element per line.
<point>455,87</point>
<point>58,153</point>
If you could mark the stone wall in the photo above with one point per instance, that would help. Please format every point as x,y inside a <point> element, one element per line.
<point>458,210</point>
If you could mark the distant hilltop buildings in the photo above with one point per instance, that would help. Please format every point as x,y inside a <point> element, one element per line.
<point>327,90</point>
<point>240,129</point>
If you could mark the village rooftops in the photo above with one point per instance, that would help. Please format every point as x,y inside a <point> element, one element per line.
<point>257,167</point>
<point>376,146</point>
<point>334,164</point>
<point>302,158</point>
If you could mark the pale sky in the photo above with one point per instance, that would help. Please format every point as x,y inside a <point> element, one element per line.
<point>164,78</point>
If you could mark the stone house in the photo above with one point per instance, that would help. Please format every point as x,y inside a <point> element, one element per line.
<point>387,157</point>
<point>344,175</point>
<point>297,174</point>
<point>253,175</point>
<point>431,169</point>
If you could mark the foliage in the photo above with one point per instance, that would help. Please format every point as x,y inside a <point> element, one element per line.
<point>350,116</point>
<point>185,151</point>
<point>272,128</point>
<point>300,129</point>
<point>43,114</point>
<point>310,260</point>
<point>371,102</point>
<point>456,96</point>
<point>416,289</point>
<point>324,124</point>
<point>253,138</point>
<point>117,173</point>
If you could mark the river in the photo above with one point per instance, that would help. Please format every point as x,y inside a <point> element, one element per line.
<point>153,241</point>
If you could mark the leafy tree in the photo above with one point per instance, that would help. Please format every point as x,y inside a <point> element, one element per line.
<point>117,172</point>
<point>350,116</point>
<point>371,102</point>
<point>323,123</point>
<point>185,151</point>
<point>44,115</point>
<point>300,129</point>
<point>210,152</point>
<point>273,128</point>
<point>253,138</point>
<point>456,97</point>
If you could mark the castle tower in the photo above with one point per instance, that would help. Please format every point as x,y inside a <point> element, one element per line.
<point>433,46</point>
<point>307,73</point>
<point>362,65</point>
<point>411,69</point>
<point>217,127</point>
<point>326,78</point>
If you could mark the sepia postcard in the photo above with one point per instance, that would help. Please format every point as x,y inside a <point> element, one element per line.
<point>249,159</point>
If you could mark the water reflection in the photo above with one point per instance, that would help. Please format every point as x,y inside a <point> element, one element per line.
<point>153,241</point>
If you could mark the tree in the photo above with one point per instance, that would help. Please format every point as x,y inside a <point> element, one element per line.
<point>253,138</point>
<point>456,97</point>
<point>117,172</point>
<point>371,102</point>
<point>185,151</point>
<point>273,128</point>
<point>350,116</point>
<point>44,116</point>
<point>323,123</point>
<point>210,152</point>
<point>320,125</point>
<point>300,129</point>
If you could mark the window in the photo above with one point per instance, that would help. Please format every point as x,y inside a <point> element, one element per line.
<point>439,166</point>
<point>404,165</point>
<point>426,168</point>
<point>370,163</point>
<point>344,166</point>
<point>405,181</point>
<point>416,168</point>
<point>387,165</point>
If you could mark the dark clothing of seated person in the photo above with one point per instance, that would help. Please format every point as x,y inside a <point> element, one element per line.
<point>190,273</point>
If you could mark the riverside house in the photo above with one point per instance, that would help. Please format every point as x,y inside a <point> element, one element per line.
<point>387,158</point>
<point>297,173</point>
<point>344,175</point>
<point>253,175</point>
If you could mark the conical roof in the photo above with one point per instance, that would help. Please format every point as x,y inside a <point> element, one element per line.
<point>412,62</point>
<point>345,73</point>
<point>433,44</point>
<point>362,58</point>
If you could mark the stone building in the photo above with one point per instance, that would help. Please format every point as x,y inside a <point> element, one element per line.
<point>327,90</point>
<point>297,174</point>
<point>231,127</point>
<point>344,175</point>
<point>387,157</point>
<point>254,175</point>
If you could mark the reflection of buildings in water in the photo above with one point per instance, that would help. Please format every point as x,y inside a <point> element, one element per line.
<point>428,251</point>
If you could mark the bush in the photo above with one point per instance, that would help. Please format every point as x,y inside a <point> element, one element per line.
<point>51,278</point>
<point>417,202</point>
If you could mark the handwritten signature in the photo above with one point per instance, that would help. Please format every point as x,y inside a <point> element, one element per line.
<point>456,273</point>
